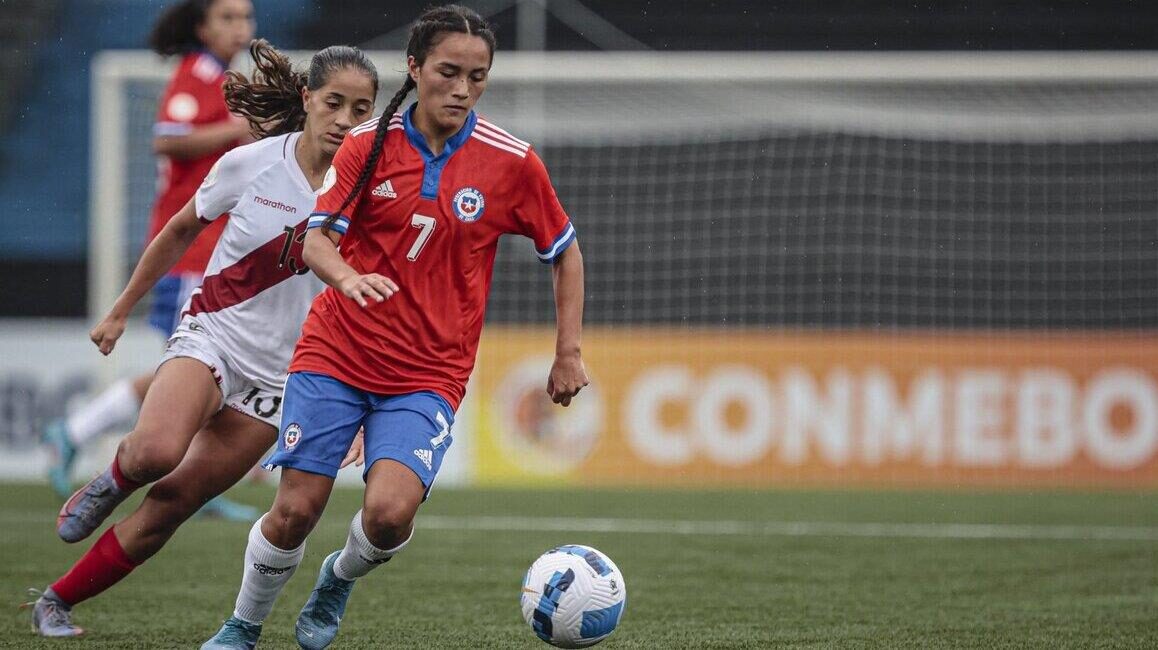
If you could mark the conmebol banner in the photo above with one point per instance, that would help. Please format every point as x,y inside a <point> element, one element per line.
<point>725,407</point>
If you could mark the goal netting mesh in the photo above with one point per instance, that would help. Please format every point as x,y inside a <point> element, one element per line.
<point>990,193</point>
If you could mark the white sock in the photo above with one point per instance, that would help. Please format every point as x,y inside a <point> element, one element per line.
<point>360,556</point>
<point>267,569</point>
<point>116,405</point>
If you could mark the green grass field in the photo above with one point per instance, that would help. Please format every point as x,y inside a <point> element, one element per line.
<point>736,569</point>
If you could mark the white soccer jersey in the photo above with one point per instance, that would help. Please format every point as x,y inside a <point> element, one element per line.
<point>256,290</point>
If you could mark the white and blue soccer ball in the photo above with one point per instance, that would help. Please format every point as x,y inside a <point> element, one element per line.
<point>573,596</point>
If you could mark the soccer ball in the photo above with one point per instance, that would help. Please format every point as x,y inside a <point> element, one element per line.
<point>573,596</point>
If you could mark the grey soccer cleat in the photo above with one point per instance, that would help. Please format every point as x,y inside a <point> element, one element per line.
<point>318,623</point>
<point>51,617</point>
<point>89,507</point>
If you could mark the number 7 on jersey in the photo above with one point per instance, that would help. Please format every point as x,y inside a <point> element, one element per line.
<point>425,226</point>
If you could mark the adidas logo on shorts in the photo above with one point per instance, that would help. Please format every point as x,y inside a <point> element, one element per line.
<point>424,455</point>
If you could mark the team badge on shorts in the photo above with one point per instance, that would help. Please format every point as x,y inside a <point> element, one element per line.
<point>293,435</point>
<point>468,204</point>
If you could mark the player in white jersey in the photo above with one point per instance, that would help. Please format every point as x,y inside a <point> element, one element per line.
<point>245,303</point>
<point>214,406</point>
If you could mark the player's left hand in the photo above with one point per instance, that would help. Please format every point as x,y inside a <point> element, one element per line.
<point>357,453</point>
<point>567,378</point>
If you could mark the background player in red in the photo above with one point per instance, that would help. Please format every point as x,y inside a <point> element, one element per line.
<point>418,201</point>
<point>213,409</point>
<point>193,129</point>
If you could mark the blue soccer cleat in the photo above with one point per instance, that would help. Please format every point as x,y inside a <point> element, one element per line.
<point>318,623</point>
<point>89,507</point>
<point>51,617</point>
<point>64,457</point>
<point>229,510</point>
<point>235,634</point>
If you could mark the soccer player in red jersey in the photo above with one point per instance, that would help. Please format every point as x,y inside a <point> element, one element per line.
<point>192,130</point>
<point>418,201</point>
<point>214,407</point>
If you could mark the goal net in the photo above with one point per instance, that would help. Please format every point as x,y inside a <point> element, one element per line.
<point>800,210</point>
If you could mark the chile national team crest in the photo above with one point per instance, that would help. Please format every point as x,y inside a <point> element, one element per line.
<point>468,204</point>
<point>293,435</point>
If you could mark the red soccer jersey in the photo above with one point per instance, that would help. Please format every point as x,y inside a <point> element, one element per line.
<point>431,224</point>
<point>193,98</point>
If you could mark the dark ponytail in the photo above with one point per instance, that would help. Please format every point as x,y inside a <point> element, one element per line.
<point>272,101</point>
<point>375,150</point>
<point>175,31</point>
<point>423,37</point>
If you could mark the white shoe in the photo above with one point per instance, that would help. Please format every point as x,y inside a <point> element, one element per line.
<point>51,617</point>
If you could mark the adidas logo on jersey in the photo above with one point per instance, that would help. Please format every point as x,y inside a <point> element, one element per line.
<point>424,455</point>
<point>385,191</point>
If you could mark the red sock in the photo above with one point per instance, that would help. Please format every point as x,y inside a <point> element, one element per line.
<point>123,482</point>
<point>103,566</point>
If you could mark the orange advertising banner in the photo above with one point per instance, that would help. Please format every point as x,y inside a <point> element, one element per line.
<point>675,407</point>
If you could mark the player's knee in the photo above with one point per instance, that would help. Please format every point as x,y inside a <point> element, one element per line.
<point>386,522</point>
<point>291,521</point>
<point>148,458</point>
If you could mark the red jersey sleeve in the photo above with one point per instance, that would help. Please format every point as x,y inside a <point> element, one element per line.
<point>341,178</point>
<point>193,97</point>
<point>538,212</point>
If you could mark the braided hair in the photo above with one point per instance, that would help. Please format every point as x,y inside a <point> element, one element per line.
<point>272,100</point>
<point>424,36</point>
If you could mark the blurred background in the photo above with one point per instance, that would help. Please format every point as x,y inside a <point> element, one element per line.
<point>828,244</point>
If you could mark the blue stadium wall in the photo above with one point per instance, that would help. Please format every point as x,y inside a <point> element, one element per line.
<point>44,147</point>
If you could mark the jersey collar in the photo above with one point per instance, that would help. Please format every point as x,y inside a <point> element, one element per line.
<point>290,157</point>
<point>453,143</point>
<point>205,51</point>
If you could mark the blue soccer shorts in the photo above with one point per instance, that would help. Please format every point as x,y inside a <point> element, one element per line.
<point>321,416</point>
<point>169,297</point>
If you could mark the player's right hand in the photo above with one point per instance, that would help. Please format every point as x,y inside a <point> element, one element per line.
<point>106,333</point>
<point>357,452</point>
<point>363,288</point>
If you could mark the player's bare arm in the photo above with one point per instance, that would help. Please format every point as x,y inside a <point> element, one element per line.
<point>568,375</point>
<point>204,140</point>
<point>320,252</point>
<point>159,257</point>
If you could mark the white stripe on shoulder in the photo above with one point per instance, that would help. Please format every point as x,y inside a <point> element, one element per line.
<point>492,127</point>
<point>492,135</point>
<point>368,125</point>
<point>521,153</point>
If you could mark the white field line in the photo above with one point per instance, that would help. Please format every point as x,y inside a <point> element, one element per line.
<point>748,528</point>
<point>790,528</point>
